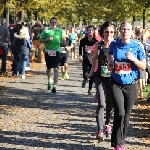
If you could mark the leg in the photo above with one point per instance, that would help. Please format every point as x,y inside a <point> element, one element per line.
<point>100,108</point>
<point>56,74</point>
<point>119,112</point>
<point>85,72</point>
<point>91,79</point>
<point>40,52</point>
<point>109,104</point>
<point>3,67</point>
<point>129,99</point>
<point>24,63</point>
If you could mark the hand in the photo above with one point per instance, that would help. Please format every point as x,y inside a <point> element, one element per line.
<point>110,67</point>
<point>67,48</point>
<point>130,56</point>
<point>91,61</point>
<point>49,38</point>
<point>81,59</point>
<point>89,75</point>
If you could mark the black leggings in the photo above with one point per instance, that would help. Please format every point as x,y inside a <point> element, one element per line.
<point>123,97</point>
<point>86,69</point>
<point>103,89</point>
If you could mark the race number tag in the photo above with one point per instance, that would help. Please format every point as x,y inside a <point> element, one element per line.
<point>88,49</point>
<point>122,67</point>
<point>105,72</point>
<point>51,53</point>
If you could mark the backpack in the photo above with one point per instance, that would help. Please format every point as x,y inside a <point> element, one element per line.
<point>37,32</point>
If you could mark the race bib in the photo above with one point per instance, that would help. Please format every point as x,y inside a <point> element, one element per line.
<point>105,72</point>
<point>51,53</point>
<point>88,49</point>
<point>122,67</point>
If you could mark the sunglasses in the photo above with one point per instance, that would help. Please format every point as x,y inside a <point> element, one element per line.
<point>108,32</point>
<point>53,22</point>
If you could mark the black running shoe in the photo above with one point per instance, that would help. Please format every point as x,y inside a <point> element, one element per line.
<point>90,92</point>
<point>49,86</point>
<point>53,91</point>
<point>83,84</point>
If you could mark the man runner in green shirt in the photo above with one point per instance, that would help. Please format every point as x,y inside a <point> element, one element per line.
<point>52,38</point>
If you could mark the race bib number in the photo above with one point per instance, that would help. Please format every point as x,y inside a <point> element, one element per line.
<point>51,53</point>
<point>105,72</point>
<point>122,68</point>
<point>88,49</point>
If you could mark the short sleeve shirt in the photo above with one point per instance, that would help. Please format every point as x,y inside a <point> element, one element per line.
<point>125,71</point>
<point>54,44</point>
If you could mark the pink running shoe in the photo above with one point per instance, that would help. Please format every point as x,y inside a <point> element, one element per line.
<point>119,148</point>
<point>108,130</point>
<point>100,136</point>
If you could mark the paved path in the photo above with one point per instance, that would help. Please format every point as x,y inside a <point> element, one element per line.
<point>33,119</point>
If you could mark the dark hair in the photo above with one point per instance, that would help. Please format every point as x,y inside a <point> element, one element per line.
<point>104,26</point>
<point>90,26</point>
<point>53,18</point>
<point>18,27</point>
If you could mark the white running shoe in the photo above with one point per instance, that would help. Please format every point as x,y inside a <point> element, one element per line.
<point>27,69</point>
<point>23,76</point>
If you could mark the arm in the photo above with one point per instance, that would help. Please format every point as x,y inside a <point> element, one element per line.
<point>110,62</point>
<point>46,40</point>
<point>80,47</point>
<point>43,38</point>
<point>24,36</point>
<point>95,58</point>
<point>140,61</point>
<point>90,56</point>
<point>80,51</point>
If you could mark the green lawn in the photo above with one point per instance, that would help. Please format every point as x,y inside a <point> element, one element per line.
<point>147,90</point>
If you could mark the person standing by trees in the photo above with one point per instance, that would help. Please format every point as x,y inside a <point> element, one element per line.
<point>4,40</point>
<point>128,55</point>
<point>36,31</point>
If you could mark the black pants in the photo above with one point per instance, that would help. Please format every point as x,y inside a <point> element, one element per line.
<point>123,97</point>
<point>103,89</point>
<point>86,69</point>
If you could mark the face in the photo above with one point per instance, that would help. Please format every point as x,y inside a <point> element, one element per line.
<point>64,33</point>
<point>96,31</point>
<point>73,30</point>
<point>126,31</point>
<point>53,23</point>
<point>90,31</point>
<point>109,33</point>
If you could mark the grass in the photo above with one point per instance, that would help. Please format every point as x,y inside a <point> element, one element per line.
<point>147,90</point>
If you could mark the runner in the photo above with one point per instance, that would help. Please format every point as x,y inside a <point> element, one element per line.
<point>91,55</point>
<point>102,80</point>
<point>73,37</point>
<point>66,46</point>
<point>128,56</point>
<point>52,38</point>
<point>85,48</point>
